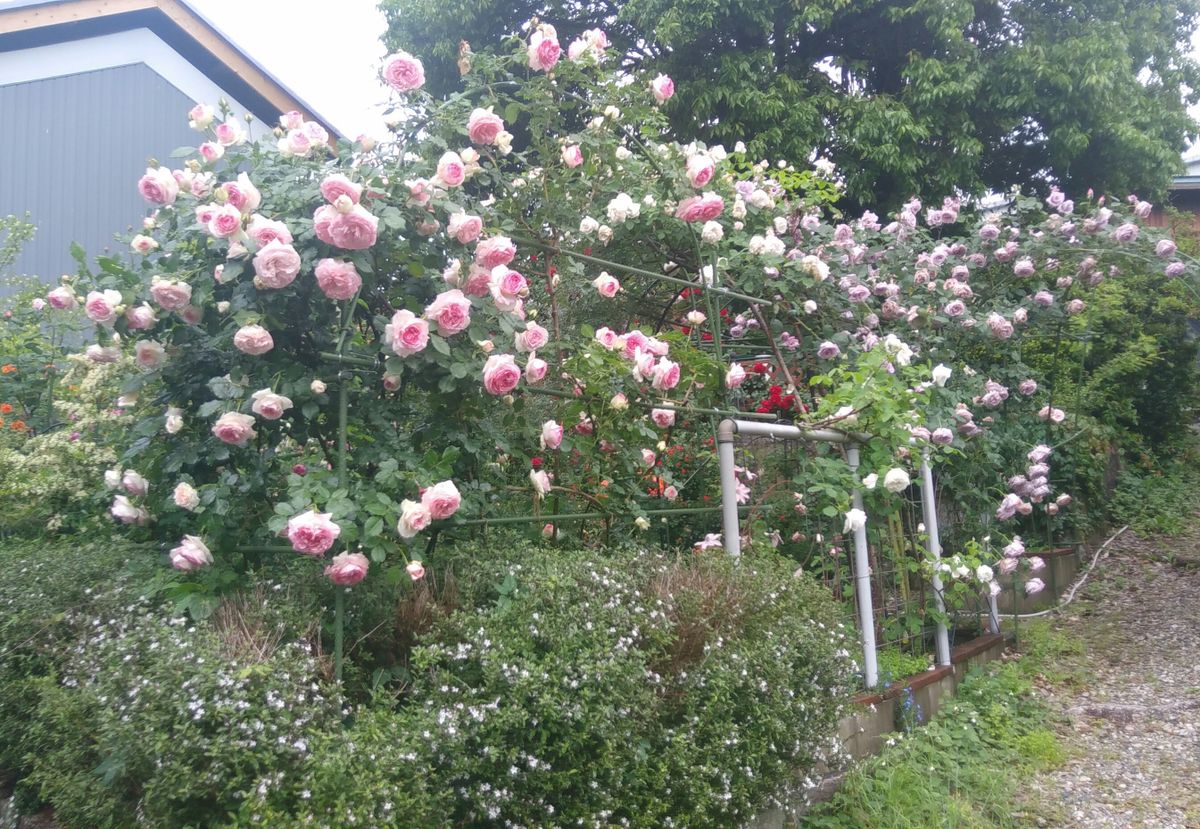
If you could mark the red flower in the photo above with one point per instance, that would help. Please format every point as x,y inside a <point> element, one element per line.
<point>536,462</point>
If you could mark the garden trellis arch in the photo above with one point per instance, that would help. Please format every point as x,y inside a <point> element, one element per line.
<point>727,433</point>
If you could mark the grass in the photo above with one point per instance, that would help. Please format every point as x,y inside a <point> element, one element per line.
<point>967,768</point>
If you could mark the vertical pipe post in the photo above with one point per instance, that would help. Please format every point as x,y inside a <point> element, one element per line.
<point>729,506</point>
<point>993,614</point>
<point>929,509</point>
<point>862,581</point>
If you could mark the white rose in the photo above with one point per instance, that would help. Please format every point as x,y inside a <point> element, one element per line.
<point>896,480</point>
<point>186,496</point>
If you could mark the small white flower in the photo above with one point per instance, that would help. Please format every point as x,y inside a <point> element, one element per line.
<point>870,481</point>
<point>856,520</point>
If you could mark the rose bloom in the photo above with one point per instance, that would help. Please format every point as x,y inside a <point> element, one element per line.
<point>451,169</point>
<point>572,155</point>
<point>828,350</point>
<point>414,517</point>
<point>942,436</point>
<point>102,354</point>
<point>125,512</point>
<point>662,88</point>
<point>225,221</point>
<point>312,533</point>
<point>552,435</point>
<point>702,208</point>
<point>170,294</point>
<point>269,405</point>
<point>355,230</point>
<point>338,279</point>
<point>403,72</point>
<point>464,227</point>
<point>347,569</point>
<point>415,570</point>
<point>700,169</point>
<point>532,338</point>
<point>185,496</point>
<point>142,243</point>
<point>494,251</point>
<point>158,186</point>
<point>442,500</point>
<point>276,265</point>
<point>140,318</point>
<point>191,554</point>
<point>253,340</point>
<point>670,493</point>
<point>507,287</point>
<point>263,231</point>
<point>544,49</point>
<point>101,306</point>
<point>336,184</point>
<point>234,428</point>
<point>663,418</point>
<point>450,311</point>
<point>666,375</point>
<point>134,483</point>
<point>607,285</point>
<point>61,298</point>
<point>648,457</point>
<point>484,126</point>
<point>735,376</point>
<point>606,337</point>
<point>406,334</point>
<point>500,374</point>
<point>200,116</point>
<point>149,354</point>
<point>540,479</point>
<point>535,369</point>
<point>242,194</point>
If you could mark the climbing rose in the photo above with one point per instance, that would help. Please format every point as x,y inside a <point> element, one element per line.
<point>493,251</point>
<point>463,227</point>
<point>61,298</point>
<point>607,285</point>
<point>662,88</point>
<point>500,374</point>
<point>450,311</point>
<point>125,512</point>
<point>442,500</point>
<point>353,230</point>
<point>191,554</point>
<point>403,72</point>
<point>414,517</point>
<point>941,374</point>
<point>312,532</point>
<point>170,294</point>
<point>666,374</point>
<point>484,126</point>
<point>451,171</point>
<point>541,482</point>
<point>101,306</point>
<point>896,480</point>
<point>338,279</point>
<point>700,169</point>
<point>828,350</point>
<point>663,418</point>
<point>140,317</point>
<point>269,405</point>
<point>535,369</point>
<point>735,376</point>
<point>253,339</point>
<point>1034,586</point>
<point>134,483</point>
<point>544,49</point>
<point>347,568</point>
<point>572,155</point>
<point>234,428</point>
<point>276,265</point>
<point>406,334</point>
<point>552,435</point>
<point>856,520</point>
<point>158,186</point>
<point>416,570</point>
<point>700,208</point>
<point>532,338</point>
<point>149,354</point>
<point>185,496</point>
<point>335,185</point>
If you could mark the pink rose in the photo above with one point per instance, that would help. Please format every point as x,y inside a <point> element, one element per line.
<point>442,500</point>
<point>276,265</point>
<point>143,244</point>
<point>264,231</point>
<point>170,294</point>
<point>415,570</point>
<point>229,133</point>
<point>662,88</point>
<point>140,318</point>
<point>158,186</point>
<point>735,376</point>
<point>670,493</point>
<point>253,340</point>
<point>192,314</point>
<point>191,554</point>
<point>336,184</point>
<point>242,194</point>
<point>572,155</point>
<point>500,374</point>
<point>414,517</point>
<point>540,479</point>
<point>607,285</point>
<point>355,230</point>
<point>648,457</point>
<point>269,405</point>
<point>532,338</point>
<point>200,116</point>
<point>403,72</point>
<point>135,484</point>
<point>211,151</point>
<point>479,280</point>
<point>149,354</point>
<point>666,374</point>
<point>61,298</point>
<point>225,221</point>
<point>552,435</point>
<point>700,169</point>
<point>101,306</point>
<point>535,369</point>
<point>544,49</point>
<point>494,251</point>
<point>312,532</point>
<point>507,288</point>
<point>464,228</point>
<point>451,171</point>
<point>185,496</point>
<point>483,126</point>
<point>606,337</point>
<point>663,418</point>
<point>450,311</point>
<point>632,342</point>
<point>234,428</point>
<point>406,334</point>
<point>291,120</point>
<point>347,568</point>
<point>124,511</point>
<point>702,208</point>
<point>338,279</point>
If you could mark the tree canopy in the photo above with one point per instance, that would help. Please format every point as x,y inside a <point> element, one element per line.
<point>908,97</point>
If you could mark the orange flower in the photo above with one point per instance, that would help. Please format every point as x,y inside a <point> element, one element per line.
<point>5,408</point>
<point>8,368</point>
<point>18,425</point>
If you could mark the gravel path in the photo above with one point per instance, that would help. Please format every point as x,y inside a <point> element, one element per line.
<point>1132,727</point>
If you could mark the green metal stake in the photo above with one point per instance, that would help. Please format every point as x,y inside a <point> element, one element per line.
<point>339,606</point>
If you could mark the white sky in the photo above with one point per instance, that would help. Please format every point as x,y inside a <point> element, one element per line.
<point>329,56</point>
<point>331,60</point>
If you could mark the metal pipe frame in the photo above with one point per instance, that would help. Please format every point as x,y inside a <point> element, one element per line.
<point>929,510</point>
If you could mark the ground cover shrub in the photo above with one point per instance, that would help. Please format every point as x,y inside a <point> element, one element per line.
<point>961,771</point>
<point>1158,496</point>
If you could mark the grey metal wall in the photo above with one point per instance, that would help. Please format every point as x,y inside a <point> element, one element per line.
<point>71,151</point>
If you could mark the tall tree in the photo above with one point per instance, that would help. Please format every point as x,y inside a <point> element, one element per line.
<point>906,96</point>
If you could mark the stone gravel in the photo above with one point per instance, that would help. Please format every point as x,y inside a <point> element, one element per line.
<point>1132,729</point>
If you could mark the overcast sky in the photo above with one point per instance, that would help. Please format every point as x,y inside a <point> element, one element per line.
<point>329,60</point>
